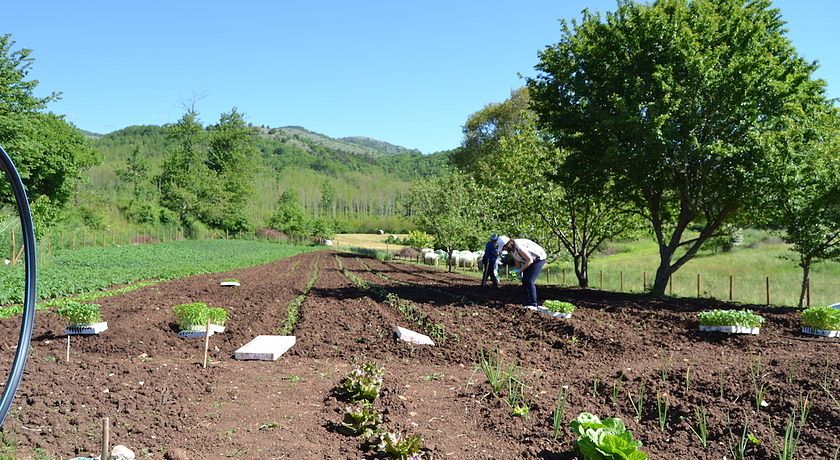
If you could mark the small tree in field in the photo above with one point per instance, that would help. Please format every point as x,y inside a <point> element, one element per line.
<point>447,207</point>
<point>418,239</point>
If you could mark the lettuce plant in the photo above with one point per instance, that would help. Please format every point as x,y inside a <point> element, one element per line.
<point>363,383</point>
<point>79,313</point>
<point>557,306</point>
<point>362,420</point>
<point>606,439</point>
<point>826,318</point>
<point>742,318</point>
<point>401,446</point>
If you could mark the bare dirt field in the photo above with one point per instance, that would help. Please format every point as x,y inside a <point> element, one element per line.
<point>616,347</point>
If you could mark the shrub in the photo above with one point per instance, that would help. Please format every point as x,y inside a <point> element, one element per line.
<point>826,318</point>
<point>742,318</point>
<point>605,440</point>
<point>557,306</point>
<point>80,313</point>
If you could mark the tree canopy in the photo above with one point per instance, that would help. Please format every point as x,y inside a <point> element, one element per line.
<point>680,103</point>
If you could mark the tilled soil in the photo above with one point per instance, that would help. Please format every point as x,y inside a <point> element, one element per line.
<point>162,402</point>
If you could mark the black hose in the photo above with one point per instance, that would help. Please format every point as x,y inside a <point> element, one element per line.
<point>29,288</point>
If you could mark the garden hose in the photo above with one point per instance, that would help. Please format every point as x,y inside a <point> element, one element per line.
<point>28,322</point>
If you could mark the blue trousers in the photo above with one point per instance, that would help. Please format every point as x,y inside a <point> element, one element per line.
<point>490,267</point>
<point>529,280</point>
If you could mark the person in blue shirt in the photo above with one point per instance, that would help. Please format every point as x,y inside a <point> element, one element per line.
<point>491,262</point>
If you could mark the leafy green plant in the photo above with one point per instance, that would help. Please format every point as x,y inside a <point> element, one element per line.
<point>363,383</point>
<point>605,440</point>
<point>401,446</point>
<point>217,315</point>
<point>739,318</point>
<point>760,386</point>
<point>362,420</point>
<point>557,306</point>
<point>80,313</point>
<point>516,395</point>
<point>616,390</point>
<point>826,318</point>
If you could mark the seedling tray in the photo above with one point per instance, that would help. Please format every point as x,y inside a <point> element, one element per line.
<point>820,332</point>
<point>546,311</point>
<point>195,334</point>
<point>229,283</point>
<point>85,329</point>
<point>731,329</point>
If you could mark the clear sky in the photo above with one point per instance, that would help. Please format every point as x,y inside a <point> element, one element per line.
<point>407,72</point>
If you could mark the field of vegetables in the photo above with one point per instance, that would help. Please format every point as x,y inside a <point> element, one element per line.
<point>501,382</point>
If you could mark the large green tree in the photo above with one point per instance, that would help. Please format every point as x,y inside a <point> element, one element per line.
<point>807,200</point>
<point>680,103</point>
<point>48,152</point>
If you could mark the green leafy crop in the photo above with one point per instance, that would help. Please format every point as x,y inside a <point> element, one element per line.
<point>363,383</point>
<point>362,420</point>
<point>190,315</point>
<point>826,318</point>
<point>742,318</point>
<point>557,306</point>
<point>79,313</point>
<point>606,439</point>
<point>400,446</point>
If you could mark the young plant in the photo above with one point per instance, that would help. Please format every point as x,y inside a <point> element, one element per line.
<point>493,367</point>
<point>80,313</point>
<point>189,315</point>
<point>825,318</point>
<point>790,442</point>
<point>739,318</point>
<point>363,384</point>
<point>595,384</point>
<point>558,415</point>
<point>400,446</point>
<point>702,431</point>
<point>662,405</point>
<point>362,420</point>
<point>604,439</point>
<point>639,403</point>
<point>738,445</point>
<point>516,398</point>
<point>760,386</point>
<point>616,390</point>
<point>217,315</point>
<point>230,280</point>
<point>688,377</point>
<point>557,306</point>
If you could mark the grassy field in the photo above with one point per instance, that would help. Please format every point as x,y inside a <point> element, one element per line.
<point>761,257</point>
<point>366,241</point>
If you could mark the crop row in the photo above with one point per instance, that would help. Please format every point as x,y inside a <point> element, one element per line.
<point>67,273</point>
<point>293,309</point>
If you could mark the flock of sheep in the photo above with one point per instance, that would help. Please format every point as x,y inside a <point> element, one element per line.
<point>470,259</point>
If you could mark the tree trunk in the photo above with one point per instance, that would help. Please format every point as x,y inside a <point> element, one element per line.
<point>805,263</point>
<point>582,270</point>
<point>663,272</point>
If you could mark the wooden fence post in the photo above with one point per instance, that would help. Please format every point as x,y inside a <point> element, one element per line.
<point>601,282</point>
<point>547,274</point>
<point>670,284</point>
<point>644,281</point>
<point>767,283</point>
<point>564,276</point>
<point>621,277</point>
<point>730,288</point>
<point>698,285</point>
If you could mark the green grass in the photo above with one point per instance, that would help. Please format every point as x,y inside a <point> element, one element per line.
<point>762,255</point>
<point>70,273</point>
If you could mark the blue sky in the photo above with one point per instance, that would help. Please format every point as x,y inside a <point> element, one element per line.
<point>407,72</point>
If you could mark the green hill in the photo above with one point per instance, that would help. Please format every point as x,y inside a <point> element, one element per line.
<point>370,177</point>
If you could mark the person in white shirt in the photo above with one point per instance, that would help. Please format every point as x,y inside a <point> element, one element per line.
<point>529,257</point>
